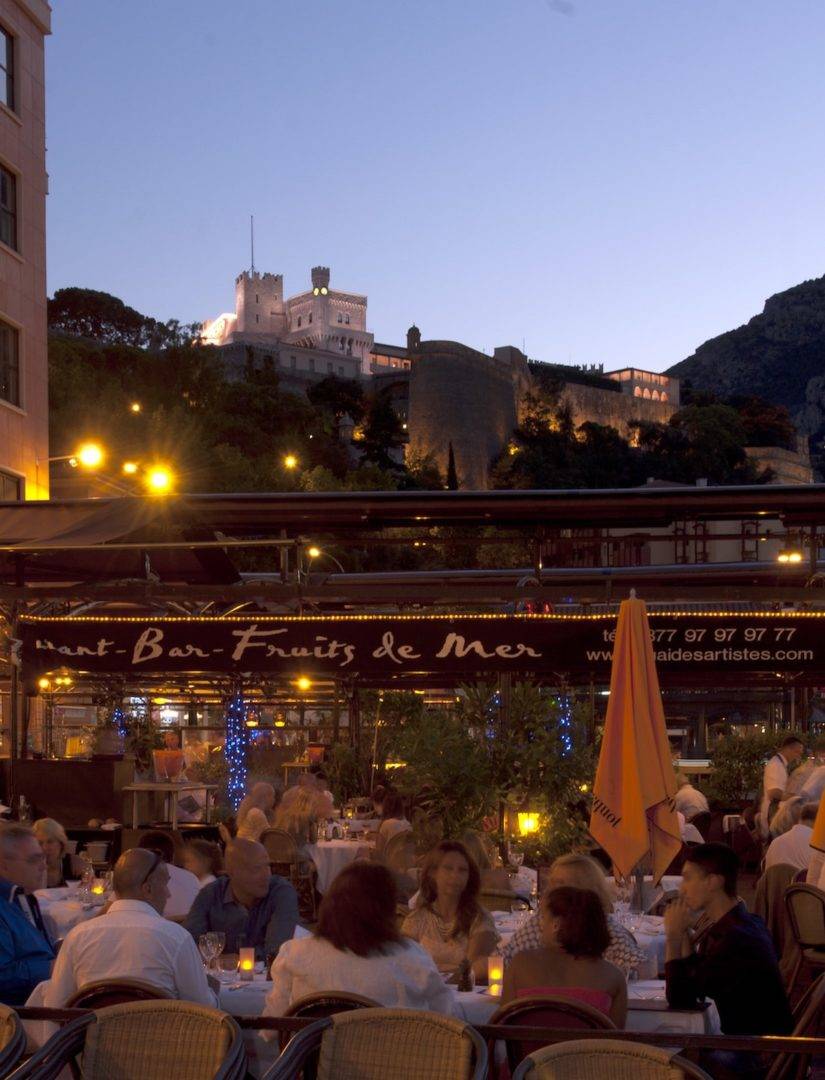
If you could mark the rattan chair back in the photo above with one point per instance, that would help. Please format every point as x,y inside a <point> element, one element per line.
<point>547,1011</point>
<point>12,1040</point>
<point>105,992</point>
<point>280,846</point>
<point>594,1059</point>
<point>374,1044</point>
<point>806,910</point>
<point>162,1038</point>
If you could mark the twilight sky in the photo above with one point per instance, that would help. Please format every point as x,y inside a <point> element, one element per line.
<point>609,181</point>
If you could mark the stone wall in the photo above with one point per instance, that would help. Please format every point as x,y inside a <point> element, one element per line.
<point>588,403</point>
<point>463,397</point>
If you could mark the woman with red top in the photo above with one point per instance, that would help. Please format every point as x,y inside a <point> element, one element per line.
<point>570,961</point>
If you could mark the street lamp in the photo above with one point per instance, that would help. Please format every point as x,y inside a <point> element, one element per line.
<point>303,683</point>
<point>135,407</point>
<point>159,480</point>
<point>314,552</point>
<point>290,461</point>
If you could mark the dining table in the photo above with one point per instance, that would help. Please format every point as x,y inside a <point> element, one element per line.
<point>62,909</point>
<point>331,856</point>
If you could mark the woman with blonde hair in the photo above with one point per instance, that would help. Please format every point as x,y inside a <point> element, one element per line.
<point>60,865</point>
<point>256,812</point>
<point>298,819</point>
<point>580,872</point>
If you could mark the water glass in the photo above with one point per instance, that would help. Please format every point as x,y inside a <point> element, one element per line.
<point>217,939</point>
<point>205,948</point>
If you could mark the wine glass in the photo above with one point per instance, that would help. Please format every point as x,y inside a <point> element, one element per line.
<point>218,942</point>
<point>205,946</point>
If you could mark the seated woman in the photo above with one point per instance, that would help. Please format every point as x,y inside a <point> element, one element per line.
<point>493,875</point>
<point>357,948</point>
<point>256,812</point>
<point>299,820</point>
<point>393,821</point>
<point>203,859</point>
<point>581,872</point>
<point>448,919</point>
<point>60,865</point>
<point>570,960</point>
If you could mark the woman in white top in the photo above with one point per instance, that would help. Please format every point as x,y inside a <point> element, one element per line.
<point>393,821</point>
<point>357,948</point>
<point>203,859</point>
<point>255,814</point>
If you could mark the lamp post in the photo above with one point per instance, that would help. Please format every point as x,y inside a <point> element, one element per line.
<point>314,552</point>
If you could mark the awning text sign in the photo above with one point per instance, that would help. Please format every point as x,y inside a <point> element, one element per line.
<point>457,646</point>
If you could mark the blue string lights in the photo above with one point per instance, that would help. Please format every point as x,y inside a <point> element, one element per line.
<point>119,720</point>
<point>234,748</point>
<point>565,704</point>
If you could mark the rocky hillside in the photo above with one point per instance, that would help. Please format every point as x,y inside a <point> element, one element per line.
<point>779,355</point>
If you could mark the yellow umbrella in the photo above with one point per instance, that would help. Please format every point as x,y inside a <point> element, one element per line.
<point>633,813</point>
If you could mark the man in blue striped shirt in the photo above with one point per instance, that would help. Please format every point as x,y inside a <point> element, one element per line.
<point>26,953</point>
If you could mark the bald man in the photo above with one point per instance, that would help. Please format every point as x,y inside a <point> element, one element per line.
<point>251,905</point>
<point>132,940</point>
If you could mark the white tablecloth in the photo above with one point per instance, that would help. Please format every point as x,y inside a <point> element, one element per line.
<point>330,858</point>
<point>61,914</point>
<point>650,1014</point>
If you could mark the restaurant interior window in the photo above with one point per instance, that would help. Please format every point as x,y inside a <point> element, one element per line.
<point>11,487</point>
<point>8,208</point>
<point>9,364</point>
<point>6,68</point>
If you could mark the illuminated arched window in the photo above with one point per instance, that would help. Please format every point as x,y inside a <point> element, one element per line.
<point>646,393</point>
<point>664,396</point>
<point>637,392</point>
<point>655,395</point>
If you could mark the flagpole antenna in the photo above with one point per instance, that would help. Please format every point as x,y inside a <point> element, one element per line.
<point>252,241</point>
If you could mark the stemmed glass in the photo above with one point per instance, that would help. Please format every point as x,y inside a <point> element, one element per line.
<point>218,940</point>
<point>211,945</point>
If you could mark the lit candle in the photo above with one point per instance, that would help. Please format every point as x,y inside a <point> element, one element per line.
<point>246,964</point>
<point>495,975</point>
<point>98,888</point>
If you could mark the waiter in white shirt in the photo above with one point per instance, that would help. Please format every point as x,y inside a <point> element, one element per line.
<point>132,940</point>
<point>775,778</point>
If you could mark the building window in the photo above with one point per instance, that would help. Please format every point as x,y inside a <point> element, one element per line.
<point>11,487</point>
<point>6,68</point>
<point>340,317</point>
<point>341,344</point>
<point>310,317</point>
<point>347,320</point>
<point>9,364</point>
<point>257,299</point>
<point>292,362</point>
<point>312,363</point>
<point>257,318</point>
<point>340,370</point>
<point>349,347</point>
<point>8,208</point>
<point>330,368</point>
<point>299,320</point>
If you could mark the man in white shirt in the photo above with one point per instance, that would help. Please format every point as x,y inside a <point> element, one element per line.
<point>775,778</point>
<point>794,846</point>
<point>688,799</point>
<point>132,940</point>
<point>183,885</point>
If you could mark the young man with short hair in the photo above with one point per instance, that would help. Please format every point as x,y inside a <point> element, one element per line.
<point>733,961</point>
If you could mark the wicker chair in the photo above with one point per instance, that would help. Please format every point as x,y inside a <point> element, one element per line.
<point>594,1059</point>
<point>806,912</point>
<point>373,1044</point>
<point>285,859</point>
<point>105,992</point>
<point>12,1040</point>
<point>808,1017</point>
<point>549,1011</point>
<point>145,1039</point>
<point>319,1006</point>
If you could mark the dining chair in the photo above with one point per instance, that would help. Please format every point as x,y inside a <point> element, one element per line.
<point>285,859</point>
<point>808,1017</point>
<point>374,1044</point>
<point>144,1039</point>
<point>104,992</point>
<point>319,1006</point>
<point>12,1040</point>
<point>549,1011</point>
<point>594,1059</point>
<point>805,905</point>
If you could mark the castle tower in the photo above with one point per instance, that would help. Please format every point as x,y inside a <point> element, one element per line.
<point>259,303</point>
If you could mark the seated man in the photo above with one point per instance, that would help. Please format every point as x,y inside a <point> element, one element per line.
<point>794,846</point>
<point>251,905</point>
<point>132,940</point>
<point>26,953</point>
<point>183,885</point>
<point>689,800</point>
<point>733,961</point>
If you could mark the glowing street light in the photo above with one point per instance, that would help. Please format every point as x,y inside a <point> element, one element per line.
<point>90,455</point>
<point>135,407</point>
<point>159,480</point>
<point>303,683</point>
<point>130,467</point>
<point>290,461</point>
<point>314,552</point>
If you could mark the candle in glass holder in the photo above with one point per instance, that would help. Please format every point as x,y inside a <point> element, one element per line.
<point>246,964</point>
<point>98,889</point>
<point>495,975</point>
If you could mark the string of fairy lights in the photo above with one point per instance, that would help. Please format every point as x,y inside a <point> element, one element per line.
<point>234,748</point>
